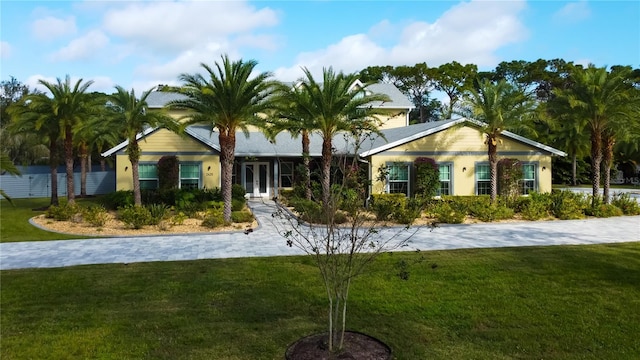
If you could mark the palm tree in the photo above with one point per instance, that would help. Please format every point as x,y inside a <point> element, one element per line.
<point>228,98</point>
<point>70,107</point>
<point>499,106</point>
<point>6,165</point>
<point>605,104</point>
<point>129,117</point>
<point>292,118</point>
<point>334,106</point>
<point>35,115</point>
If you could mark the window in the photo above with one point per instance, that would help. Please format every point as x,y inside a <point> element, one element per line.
<point>286,174</point>
<point>398,179</point>
<point>445,179</point>
<point>189,176</point>
<point>483,179</point>
<point>148,174</point>
<point>528,178</point>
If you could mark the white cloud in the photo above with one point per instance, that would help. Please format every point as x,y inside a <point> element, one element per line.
<point>82,48</point>
<point>49,27</point>
<point>470,32</point>
<point>169,27</point>
<point>5,50</point>
<point>572,13</point>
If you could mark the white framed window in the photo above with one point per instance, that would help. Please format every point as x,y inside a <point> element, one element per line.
<point>398,178</point>
<point>148,176</point>
<point>189,175</point>
<point>286,174</point>
<point>445,179</point>
<point>483,179</point>
<point>529,178</point>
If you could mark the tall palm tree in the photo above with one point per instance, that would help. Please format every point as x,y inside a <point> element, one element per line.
<point>333,106</point>
<point>228,98</point>
<point>605,103</point>
<point>35,115</point>
<point>292,118</point>
<point>130,117</point>
<point>70,107</point>
<point>499,106</point>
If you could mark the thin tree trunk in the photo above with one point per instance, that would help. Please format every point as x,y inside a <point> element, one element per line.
<point>492,143</point>
<point>227,154</point>
<point>574,170</point>
<point>306,163</point>
<point>68,162</point>
<point>83,170</point>
<point>596,159</point>
<point>607,159</point>
<point>134,157</point>
<point>326,171</point>
<point>53,167</point>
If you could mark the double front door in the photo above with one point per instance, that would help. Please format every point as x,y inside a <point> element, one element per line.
<point>256,179</point>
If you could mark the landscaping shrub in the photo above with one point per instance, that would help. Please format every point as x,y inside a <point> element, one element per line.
<point>214,217</point>
<point>168,172</point>
<point>178,218</point>
<point>427,176</point>
<point>63,212</point>
<point>493,212</point>
<point>242,216</point>
<point>96,215</point>
<point>309,210</point>
<point>135,216</point>
<point>510,173</point>
<point>445,213</point>
<point>624,202</point>
<point>118,199</point>
<point>606,210</point>
<point>158,213</point>
<point>238,192</point>
<point>385,205</point>
<point>535,206</point>
<point>566,205</point>
<point>238,204</point>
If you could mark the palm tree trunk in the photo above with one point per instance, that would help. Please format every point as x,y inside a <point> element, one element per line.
<point>83,169</point>
<point>68,162</point>
<point>134,157</point>
<point>227,154</point>
<point>53,167</point>
<point>574,170</point>
<point>492,144</point>
<point>306,163</point>
<point>326,171</point>
<point>607,159</point>
<point>596,159</point>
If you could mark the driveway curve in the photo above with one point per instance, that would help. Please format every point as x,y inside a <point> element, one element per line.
<point>265,241</point>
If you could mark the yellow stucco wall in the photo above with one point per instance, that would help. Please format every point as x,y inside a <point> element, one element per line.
<point>164,142</point>
<point>463,147</point>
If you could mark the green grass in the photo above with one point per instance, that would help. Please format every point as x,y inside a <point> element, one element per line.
<point>561,302</point>
<point>14,220</point>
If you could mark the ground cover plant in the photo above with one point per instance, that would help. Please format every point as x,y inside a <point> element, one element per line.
<point>561,302</point>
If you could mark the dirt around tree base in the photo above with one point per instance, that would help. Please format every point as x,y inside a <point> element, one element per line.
<point>357,346</point>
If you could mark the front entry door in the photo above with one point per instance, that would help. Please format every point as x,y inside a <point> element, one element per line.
<point>256,179</point>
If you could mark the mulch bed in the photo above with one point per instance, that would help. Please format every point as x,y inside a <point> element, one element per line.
<point>357,346</point>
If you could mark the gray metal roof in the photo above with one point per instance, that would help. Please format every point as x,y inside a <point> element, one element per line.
<point>257,144</point>
<point>158,99</point>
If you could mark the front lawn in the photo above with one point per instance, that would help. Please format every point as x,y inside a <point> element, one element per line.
<point>563,302</point>
<point>14,220</point>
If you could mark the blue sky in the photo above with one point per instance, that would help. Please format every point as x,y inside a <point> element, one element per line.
<point>139,44</point>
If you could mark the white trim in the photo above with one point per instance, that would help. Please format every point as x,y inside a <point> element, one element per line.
<point>124,144</point>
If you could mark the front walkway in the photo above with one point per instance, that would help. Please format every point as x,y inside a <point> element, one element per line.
<point>265,241</point>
